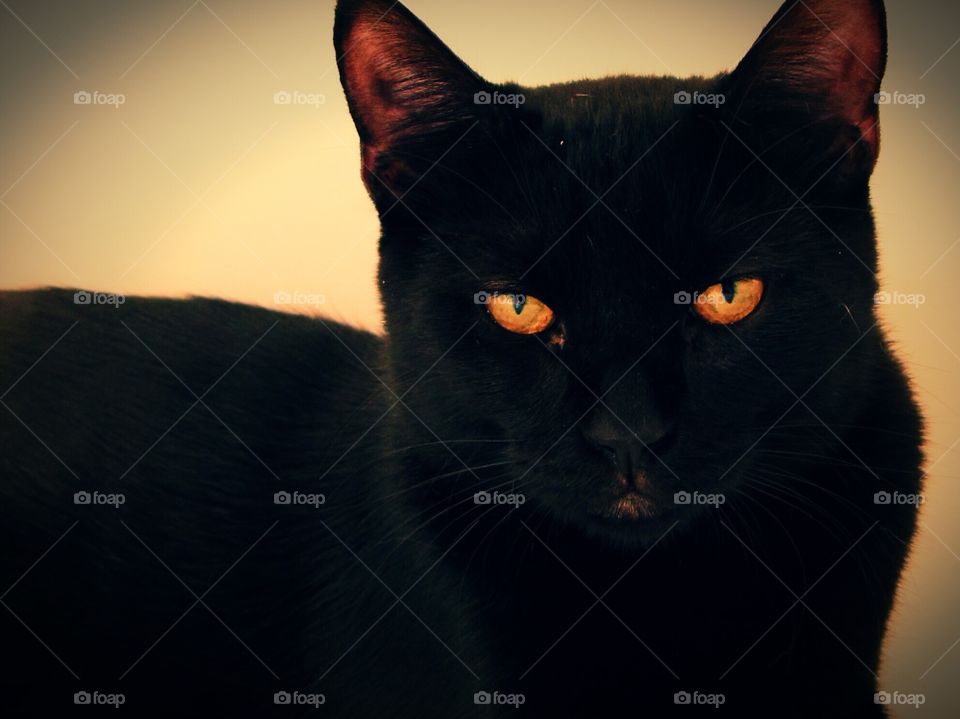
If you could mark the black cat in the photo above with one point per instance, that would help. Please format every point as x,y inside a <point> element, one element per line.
<point>633,443</point>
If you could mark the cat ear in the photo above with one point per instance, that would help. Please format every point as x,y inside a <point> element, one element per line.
<point>406,90</point>
<point>825,58</point>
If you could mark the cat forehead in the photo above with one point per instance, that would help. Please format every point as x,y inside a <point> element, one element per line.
<point>615,137</point>
<point>617,112</point>
<point>615,96</point>
<point>613,159</point>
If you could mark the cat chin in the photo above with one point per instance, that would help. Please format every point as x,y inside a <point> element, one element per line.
<point>630,534</point>
<point>630,521</point>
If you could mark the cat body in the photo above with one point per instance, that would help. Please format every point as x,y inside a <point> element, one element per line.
<point>644,504</point>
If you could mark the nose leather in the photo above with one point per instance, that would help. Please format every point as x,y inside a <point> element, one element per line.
<point>627,448</point>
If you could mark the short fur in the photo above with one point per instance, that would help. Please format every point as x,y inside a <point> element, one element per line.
<point>400,596</point>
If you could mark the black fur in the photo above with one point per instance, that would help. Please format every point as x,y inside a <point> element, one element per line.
<point>400,596</point>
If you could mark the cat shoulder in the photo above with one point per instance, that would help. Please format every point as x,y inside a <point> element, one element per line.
<point>102,379</point>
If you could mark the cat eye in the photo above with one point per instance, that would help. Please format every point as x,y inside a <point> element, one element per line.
<point>729,301</point>
<point>521,314</point>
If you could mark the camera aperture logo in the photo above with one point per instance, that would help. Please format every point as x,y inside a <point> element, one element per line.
<point>85,97</point>
<point>82,297</point>
<point>683,97</point>
<point>95,698</point>
<point>900,699</point>
<point>96,498</point>
<point>297,97</point>
<point>898,498</point>
<point>314,299</point>
<point>913,299</point>
<point>299,499</point>
<point>513,499</point>
<point>913,99</point>
<point>299,699</point>
<point>491,298</point>
<point>697,298</point>
<point>485,698</point>
<point>699,699</point>
<point>699,498</point>
<point>499,98</point>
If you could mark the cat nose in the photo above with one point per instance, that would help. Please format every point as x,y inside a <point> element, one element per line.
<point>625,454</point>
<point>627,449</point>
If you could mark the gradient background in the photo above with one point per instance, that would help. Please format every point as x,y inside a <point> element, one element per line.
<point>201,184</point>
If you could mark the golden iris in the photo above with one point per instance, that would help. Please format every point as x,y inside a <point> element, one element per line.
<point>730,301</point>
<point>521,314</point>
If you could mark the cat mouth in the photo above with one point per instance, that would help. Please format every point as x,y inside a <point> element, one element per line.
<point>631,505</point>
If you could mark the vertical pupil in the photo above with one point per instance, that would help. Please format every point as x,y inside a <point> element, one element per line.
<point>518,303</point>
<point>729,289</point>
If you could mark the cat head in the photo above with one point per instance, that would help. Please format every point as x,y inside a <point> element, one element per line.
<point>621,295</point>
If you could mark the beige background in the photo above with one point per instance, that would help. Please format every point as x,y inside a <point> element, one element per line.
<point>201,184</point>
